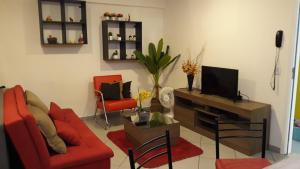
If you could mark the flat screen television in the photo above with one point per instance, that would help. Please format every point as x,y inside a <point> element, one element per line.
<point>220,81</point>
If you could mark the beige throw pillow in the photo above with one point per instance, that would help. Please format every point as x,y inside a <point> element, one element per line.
<point>34,100</point>
<point>48,129</point>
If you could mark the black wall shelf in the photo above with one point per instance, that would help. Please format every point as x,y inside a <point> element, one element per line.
<point>62,24</point>
<point>123,46</point>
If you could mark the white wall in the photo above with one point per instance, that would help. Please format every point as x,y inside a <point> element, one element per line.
<point>1,72</point>
<point>1,67</point>
<point>240,34</point>
<point>65,75</point>
<point>136,3</point>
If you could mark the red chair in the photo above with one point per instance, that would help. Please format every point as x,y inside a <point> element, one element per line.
<point>108,106</point>
<point>247,163</point>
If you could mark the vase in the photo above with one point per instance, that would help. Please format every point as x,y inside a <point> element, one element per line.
<point>143,116</point>
<point>190,81</point>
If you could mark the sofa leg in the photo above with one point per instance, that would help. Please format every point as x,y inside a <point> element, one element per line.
<point>106,121</point>
<point>107,126</point>
<point>95,114</point>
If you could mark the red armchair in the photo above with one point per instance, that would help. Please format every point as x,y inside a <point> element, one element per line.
<point>108,106</point>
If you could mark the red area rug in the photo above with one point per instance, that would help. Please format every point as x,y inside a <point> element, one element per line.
<point>182,150</point>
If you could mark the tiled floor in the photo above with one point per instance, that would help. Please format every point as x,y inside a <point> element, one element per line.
<point>204,161</point>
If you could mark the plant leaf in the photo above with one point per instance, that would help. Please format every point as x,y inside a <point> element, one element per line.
<point>152,52</point>
<point>167,50</point>
<point>163,61</point>
<point>171,61</point>
<point>150,65</point>
<point>139,55</point>
<point>159,49</point>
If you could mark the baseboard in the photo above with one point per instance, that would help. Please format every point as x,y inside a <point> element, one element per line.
<point>87,117</point>
<point>274,149</point>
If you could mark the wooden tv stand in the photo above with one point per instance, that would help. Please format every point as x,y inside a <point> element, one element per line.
<point>198,112</point>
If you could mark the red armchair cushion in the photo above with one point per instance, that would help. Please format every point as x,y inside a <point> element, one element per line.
<point>67,133</point>
<point>56,112</point>
<point>116,105</point>
<point>249,163</point>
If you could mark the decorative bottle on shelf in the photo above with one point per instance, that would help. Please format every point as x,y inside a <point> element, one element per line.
<point>133,56</point>
<point>52,40</point>
<point>113,16</point>
<point>49,19</point>
<point>114,56</point>
<point>107,16</point>
<point>81,39</point>
<point>71,19</point>
<point>110,36</point>
<point>119,38</point>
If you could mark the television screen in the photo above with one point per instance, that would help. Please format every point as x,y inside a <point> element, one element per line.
<point>220,81</point>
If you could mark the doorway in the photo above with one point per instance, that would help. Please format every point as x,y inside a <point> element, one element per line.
<point>293,145</point>
<point>295,119</point>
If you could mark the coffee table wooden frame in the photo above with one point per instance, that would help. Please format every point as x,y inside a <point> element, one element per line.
<point>138,135</point>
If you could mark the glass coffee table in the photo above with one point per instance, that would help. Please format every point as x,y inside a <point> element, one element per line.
<point>138,133</point>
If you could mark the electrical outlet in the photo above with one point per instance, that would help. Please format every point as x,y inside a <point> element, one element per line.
<point>277,71</point>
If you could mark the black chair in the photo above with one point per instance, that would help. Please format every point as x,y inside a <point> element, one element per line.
<point>166,143</point>
<point>242,163</point>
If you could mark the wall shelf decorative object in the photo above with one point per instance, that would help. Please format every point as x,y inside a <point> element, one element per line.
<point>64,22</point>
<point>124,47</point>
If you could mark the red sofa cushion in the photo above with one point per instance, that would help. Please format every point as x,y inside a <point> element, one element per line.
<point>249,163</point>
<point>55,112</point>
<point>67,133</point>
<point>116,105</point>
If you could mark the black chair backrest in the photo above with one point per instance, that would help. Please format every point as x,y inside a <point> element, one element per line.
<point>166,143</point>
<point>263,136</point>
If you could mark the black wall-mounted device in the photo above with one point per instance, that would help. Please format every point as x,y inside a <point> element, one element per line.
<point>278,43</point>
<point>279,38</point>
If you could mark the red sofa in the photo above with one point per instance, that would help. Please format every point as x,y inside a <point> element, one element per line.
<point>32,149</point>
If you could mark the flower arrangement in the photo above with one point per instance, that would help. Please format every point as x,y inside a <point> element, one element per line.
<point>190,67</point>
<point>142,96</point>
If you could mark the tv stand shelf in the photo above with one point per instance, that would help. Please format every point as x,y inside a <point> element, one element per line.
<point>198,112</point>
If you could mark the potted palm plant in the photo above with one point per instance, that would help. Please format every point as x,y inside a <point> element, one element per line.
<point>156,62</point>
